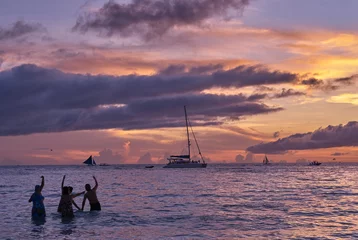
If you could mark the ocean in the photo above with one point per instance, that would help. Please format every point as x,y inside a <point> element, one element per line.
<point>223,201</point>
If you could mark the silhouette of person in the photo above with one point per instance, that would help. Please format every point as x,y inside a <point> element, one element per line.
<point>65,205</point>
<point>91,195</point>
<point>64,191</point>
<point>38,207</point>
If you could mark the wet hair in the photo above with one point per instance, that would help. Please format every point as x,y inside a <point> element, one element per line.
<point>65,191</point>
<point>37,188</point>
<point>88,187</point>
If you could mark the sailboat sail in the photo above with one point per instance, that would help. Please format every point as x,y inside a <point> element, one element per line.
<point>265,161</point>
<point>90,161</point>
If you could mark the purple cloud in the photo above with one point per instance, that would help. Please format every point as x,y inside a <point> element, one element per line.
<point>320,84</point>
<point>152,18</point>
<point>44,100</point>
<point>19,29</point>
<point>331,136</point>
<point>347,80</point>
<point>288,93</point>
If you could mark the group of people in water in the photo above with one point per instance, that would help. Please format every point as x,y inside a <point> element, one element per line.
<point>67,199</point>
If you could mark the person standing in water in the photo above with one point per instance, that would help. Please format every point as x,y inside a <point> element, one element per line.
<point>91,195</point>
<point>38,207</point>
<point>65,205</point>
<point>66,202</point>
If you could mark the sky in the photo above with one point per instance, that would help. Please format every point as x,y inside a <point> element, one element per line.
<point>110,79</point>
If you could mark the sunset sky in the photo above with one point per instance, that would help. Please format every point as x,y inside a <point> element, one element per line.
<point>110,79</point>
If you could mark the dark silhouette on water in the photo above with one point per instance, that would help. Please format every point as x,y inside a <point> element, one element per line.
<point>90,161</point>
<point>65,205</point>
<point>314,163</point>
<point>38,207</point>
<point>185,161</point>
<point>91,195</point>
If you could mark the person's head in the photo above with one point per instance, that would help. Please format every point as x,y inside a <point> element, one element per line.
<point>37,189</point>
<point>88,187</point>
<point>65,191</point>
<point>70,189</point>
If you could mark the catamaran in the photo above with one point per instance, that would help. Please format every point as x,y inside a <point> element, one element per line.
<point>90,161</point>
<point>265,161</point>
<point>184,161</point>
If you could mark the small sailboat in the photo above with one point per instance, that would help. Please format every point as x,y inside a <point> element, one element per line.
<point>90,161</point>
<point>265,161</point>
<point>185,161</point>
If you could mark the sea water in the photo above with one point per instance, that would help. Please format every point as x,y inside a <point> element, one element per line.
<point>223,201</point>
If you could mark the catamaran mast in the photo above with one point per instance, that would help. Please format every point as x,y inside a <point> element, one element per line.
<point>187,130</point>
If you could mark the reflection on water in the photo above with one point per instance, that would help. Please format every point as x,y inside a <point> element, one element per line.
<point>220,202</point>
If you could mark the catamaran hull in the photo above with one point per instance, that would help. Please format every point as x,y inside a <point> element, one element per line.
<point>186,165</point>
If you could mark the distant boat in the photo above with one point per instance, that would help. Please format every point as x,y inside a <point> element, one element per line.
<point>184,161</point>
<point>314,163</point>
<point>149,166</point>
<point>90,161</point>
<point>104,164</point>
<point>265,161</point>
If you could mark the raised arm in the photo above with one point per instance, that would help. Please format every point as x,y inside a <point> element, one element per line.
<point>63,181</point>
<point>84,201</point>
<point>42,183</point>
<point>95,187</point>
<point>77,194</point>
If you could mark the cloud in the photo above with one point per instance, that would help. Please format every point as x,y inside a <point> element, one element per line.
<point>107,156</point>
<point>349,98</point>
<point>302,161</point>
<point>319,84</point>
<point>48,100</point>
<point>347,80</point>
<point>250,157</point>
<point>276,134</point>
<point>329,137</point>
<point>339,154</point>
<point>239,158</point>
<point>163,159</point>
<point>19,29</point>
<point>145,159</point>
<point>153,18</point>
<point>288,93</point>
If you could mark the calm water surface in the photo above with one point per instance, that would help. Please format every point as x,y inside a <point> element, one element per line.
<point>220,202</point>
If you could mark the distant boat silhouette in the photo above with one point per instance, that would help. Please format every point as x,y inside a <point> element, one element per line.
<point>90,161</point>
<point>314,163</point>
<point>149,166</point>
<point>104,164</point>
<point>184,161</point>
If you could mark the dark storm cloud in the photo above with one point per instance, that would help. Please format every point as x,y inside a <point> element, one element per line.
<point>288,93</point>
<point>152,18</point>
<point>322,85</point>
<point>40,88</point>
<point>204,110</point>
<point>36,100</point>
<point>331,136</point>
<point>347,80</point>
<point>19,29</point>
